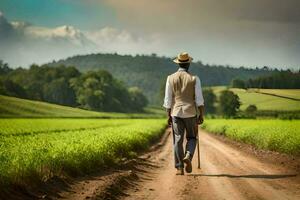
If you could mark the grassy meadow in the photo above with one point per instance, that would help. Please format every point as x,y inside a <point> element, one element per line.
<point>266,133</point>
<point>271,134</point>
<point>289,93</point>
<point>265,102</point>
<point>37,149</point>
<point>39,140</point>
<point>11,107</point>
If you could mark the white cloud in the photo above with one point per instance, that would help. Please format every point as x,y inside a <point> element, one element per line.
<point>122,41</point>
<point>23,44</point>
<point>68,33</point>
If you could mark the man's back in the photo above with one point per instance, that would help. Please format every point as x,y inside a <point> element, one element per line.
<point>183,86</point>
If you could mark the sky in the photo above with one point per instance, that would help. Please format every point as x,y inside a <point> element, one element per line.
<point>250,33</point>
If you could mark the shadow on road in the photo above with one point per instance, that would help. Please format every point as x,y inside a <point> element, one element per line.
<point>264,176</point>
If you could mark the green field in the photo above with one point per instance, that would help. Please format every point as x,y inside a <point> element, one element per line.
<point>16,107</point>
<point>37,149</point>
<point>289,93</point>
<point>265,102</point>
<point>272,134</point>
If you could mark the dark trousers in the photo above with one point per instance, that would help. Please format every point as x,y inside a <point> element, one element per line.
<point>180,125</point>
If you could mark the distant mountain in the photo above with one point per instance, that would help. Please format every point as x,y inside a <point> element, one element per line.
<point>150,72</point>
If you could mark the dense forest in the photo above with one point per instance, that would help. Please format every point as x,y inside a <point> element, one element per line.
<point>278,80</point>
<point>94,90</point>
<point>149,72</point>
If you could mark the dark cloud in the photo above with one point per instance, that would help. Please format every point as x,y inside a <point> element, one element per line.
<point>287,11</point>
<point>175,14</point>
<point>236,32</point>
<point>6,29</point>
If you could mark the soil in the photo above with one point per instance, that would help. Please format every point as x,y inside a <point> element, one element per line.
<point>229,170</point>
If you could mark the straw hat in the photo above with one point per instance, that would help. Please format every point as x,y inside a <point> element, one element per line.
<point>183,58</point>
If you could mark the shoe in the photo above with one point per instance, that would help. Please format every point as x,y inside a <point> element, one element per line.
<point>188,162</point>
<point>180,171</point>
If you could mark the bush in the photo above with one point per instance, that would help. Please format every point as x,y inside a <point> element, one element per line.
<point>251,109</point>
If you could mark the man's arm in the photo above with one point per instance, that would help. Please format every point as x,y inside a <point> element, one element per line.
<point>201,114</point>
<point>168,100</point>
<point>169,116</point>
<point>199,100</point>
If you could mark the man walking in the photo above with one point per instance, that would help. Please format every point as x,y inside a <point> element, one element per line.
<point>183,100</point>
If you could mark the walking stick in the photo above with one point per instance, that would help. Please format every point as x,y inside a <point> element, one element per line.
<point>198,146</point>
<point>172,132</point>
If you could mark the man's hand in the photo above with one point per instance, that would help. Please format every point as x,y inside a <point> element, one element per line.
<point>170,121</point>
<point>200,119</point>
<point>169,117</point>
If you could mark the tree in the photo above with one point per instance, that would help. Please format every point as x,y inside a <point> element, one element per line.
<point>251,109</point>
<point>209,100</point>
<point>100,91</point>
<point>238,83</point>
<point>4,68</point>
<point>35,90</point>
<point>59,91</point>
<point>279,80</point>
<point>138,99</point>
<point>10,88</point>
<point>91,89</point>
<point>229,103</point>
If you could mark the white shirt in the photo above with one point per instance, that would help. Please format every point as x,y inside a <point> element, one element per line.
<point>169,93</point>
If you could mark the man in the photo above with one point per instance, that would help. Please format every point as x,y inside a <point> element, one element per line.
<point>183,101</point>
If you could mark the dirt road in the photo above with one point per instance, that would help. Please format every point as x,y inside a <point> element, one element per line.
<point>226,173</point>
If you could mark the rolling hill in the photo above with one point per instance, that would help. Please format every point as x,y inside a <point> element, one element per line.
<point>150,72</point>
<point>266,99</point>
<point>285,93</point>
<point>16,107</point>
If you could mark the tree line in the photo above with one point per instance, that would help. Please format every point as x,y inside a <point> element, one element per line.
<point>279,80</point>
<point>149,72</point>
<point>95,90</point>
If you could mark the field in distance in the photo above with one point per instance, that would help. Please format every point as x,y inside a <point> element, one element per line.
<point>272,134</point>
<point>285,93</point>
<point>16,107</point>
<point>266,99</point>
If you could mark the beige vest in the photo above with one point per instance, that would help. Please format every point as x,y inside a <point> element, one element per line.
<point>183,85</point>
